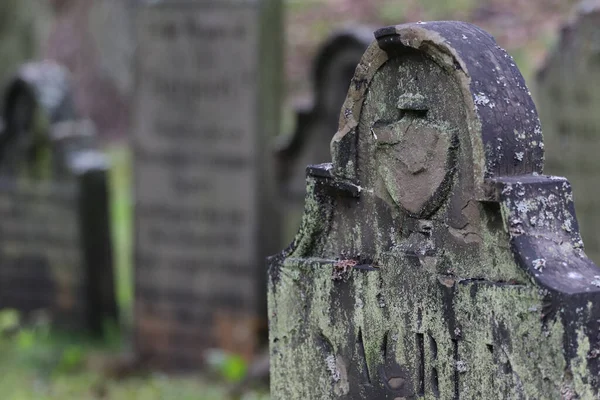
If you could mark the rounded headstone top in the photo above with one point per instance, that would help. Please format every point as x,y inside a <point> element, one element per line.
<point>45,84</point>
<point>502,134</point>
<point>41,118</point>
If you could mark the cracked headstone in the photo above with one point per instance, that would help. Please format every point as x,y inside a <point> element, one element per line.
<point>568,98</point>
<point>207,103</point>
<point>434,259</point>
<point>316,120</point>
<point>56,242</point>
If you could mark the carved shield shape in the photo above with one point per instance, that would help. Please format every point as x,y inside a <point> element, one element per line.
<point>413,159</point>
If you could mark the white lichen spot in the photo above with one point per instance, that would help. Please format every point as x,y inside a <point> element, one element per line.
<point>332,367</point>
<point>532,309</point>
<point>481,99</point>
<point>359,303</point>
<point>567,226</point>
<point>522,207</point>
<point>461,366</point>
<point>519,156</point>
<point>596,281</point>
<point>464,37</point>
<point>574,275</point>
<point>457,332</point>
<point>539,264</point>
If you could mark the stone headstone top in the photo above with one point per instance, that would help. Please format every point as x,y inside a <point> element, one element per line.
<point>568,99</point>
<point>434,258</point>
<point>43,131</point>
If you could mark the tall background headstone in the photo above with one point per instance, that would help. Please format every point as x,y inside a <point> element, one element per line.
<point>55,247</point>
<point>568,97</point>
<point>316,120</point>
<point>207,103</point>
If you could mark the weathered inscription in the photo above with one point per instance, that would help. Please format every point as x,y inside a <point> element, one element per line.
<point>196,172</point>
<point>39,240</point>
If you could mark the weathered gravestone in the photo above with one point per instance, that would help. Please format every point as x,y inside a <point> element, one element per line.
<point>434,260</point>
<point>316,121</point>
<point>206,106</point>
<point>568,96</point>
<point>55,247</point>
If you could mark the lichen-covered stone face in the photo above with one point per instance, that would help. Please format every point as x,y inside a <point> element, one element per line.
<point>433,259</point>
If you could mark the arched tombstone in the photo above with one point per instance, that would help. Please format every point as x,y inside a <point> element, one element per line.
<point>434,259</point>
<point>55,242</point>
<point>316,120</point>
<point>568,97</point>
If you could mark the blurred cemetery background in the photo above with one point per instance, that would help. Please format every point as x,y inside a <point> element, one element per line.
<point>95,40</point>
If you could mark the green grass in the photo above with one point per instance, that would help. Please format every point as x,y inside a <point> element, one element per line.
<point>43,365</point>
<point>122,229</point>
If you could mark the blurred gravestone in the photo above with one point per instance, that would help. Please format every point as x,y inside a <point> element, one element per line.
<point>206,105</point>
<point>316,122</point>
<point>568,93</point>
<point>434,260</point>
<point>55,250</point>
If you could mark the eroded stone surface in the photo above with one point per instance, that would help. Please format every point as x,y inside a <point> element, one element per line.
<point>468,281</point>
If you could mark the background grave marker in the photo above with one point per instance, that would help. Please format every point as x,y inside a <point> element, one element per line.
<point>55,244</point>
<point>206,215</point>
<point>568,98</point>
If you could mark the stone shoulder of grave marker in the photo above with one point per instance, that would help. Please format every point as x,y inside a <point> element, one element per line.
<point>434,258</point>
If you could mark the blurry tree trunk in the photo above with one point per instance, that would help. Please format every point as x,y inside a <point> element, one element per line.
<point>94,40</point>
